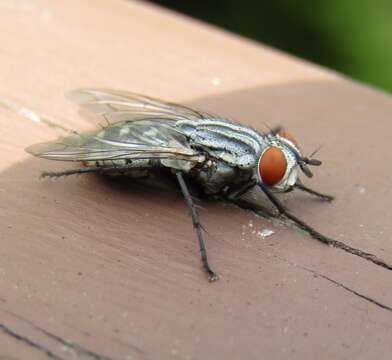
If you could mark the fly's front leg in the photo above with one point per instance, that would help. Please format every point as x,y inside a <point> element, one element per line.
<point>197,225</point>
<point>282,210</point>
<point>275,130</point>
<point>85,170</point>
<point>321,196</point>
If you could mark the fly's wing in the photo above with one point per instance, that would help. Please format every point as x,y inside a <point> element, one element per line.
<point>146,139</point>
<point>116,106</point>
<point>141,128</point>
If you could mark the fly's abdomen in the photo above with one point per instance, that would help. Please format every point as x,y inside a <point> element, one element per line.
<point>133,168</point>
<point>131,163</point>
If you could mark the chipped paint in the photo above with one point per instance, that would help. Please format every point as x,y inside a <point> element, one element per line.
<point>263,234</point>
<point>33,116</point>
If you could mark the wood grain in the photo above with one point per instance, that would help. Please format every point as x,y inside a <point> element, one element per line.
<point>92,268</point>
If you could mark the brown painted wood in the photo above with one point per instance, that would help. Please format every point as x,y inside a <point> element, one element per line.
<point>90,267</point>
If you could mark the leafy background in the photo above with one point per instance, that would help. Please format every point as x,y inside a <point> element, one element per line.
<point>350,36</point>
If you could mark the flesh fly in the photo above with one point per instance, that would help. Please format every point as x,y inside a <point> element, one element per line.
<point>226,159</point>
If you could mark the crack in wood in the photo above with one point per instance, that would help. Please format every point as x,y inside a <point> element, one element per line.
<point>71,345</point>
<point>339,284</point>
<point>300,225</point>
<point>29,342</point>
<point>362,296</point>
<point>74,346</point>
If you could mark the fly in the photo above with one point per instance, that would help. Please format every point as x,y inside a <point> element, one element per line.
<point>226,159</point>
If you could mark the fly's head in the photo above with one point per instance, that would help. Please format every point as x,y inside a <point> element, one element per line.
<point>279,162</point>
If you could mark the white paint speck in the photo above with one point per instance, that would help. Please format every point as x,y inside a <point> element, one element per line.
<point>45,15</point>
<point>243,230</point>
<point>361,190</point>
<point>32,115</point>
<point>216,81</point>
<point>29,114</point>
<point>265,233</point>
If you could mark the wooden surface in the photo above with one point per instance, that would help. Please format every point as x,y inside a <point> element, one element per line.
<point>92,269</point>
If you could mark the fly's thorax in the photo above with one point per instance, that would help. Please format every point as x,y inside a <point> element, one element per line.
<point>235,144</point>
<point>278,163</point>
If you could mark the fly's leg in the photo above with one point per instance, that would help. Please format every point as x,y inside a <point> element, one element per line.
<point>282,210</point>
<point>234,193</point>
<point>302,187</point>
<point>197,225</point>
<point>86,170</point>
<point>275,130</point>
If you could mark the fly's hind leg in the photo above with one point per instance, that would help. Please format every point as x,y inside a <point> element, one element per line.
<point>86,170</point>
<point>198,227</point>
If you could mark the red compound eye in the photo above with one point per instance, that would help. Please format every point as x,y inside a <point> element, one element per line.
<point>287,135</point>
<point>272,166</point>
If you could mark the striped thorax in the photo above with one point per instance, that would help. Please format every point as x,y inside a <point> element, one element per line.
<point>271,158</point>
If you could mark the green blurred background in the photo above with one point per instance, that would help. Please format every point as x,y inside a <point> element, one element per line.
<point>350,36</point>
